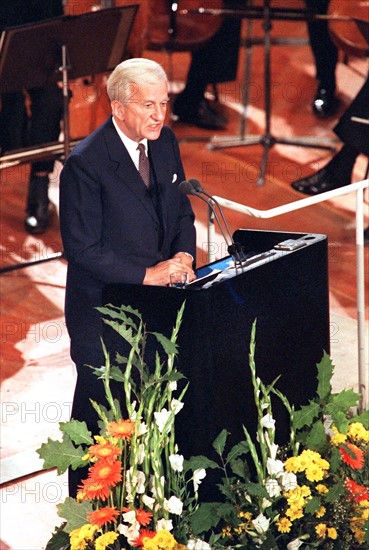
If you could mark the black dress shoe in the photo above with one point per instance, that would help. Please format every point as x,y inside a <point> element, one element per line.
<point>38,217</point>
<point>319,182</point>
<point>325,103</point>
<point>203,116</point>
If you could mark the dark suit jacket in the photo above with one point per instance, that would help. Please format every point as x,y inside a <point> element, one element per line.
<point>112,227</point>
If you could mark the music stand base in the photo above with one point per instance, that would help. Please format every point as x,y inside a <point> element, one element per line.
<point>268,141</point>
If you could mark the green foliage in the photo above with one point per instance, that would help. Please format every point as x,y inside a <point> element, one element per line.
<point>75,513</point>
<point>61,455</point>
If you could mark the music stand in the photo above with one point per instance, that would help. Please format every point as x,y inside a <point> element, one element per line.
<point>266,139</point>
<point>63,48</point>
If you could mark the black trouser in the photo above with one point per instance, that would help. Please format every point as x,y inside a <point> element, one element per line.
<point>324,50</point>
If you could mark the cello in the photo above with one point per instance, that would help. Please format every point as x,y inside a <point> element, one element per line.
<point>169,29</point>
<point>349,26</point>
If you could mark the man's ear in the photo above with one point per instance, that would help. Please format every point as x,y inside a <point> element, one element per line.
<point>117,108</point>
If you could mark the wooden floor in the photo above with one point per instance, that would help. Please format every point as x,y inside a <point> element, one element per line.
<point>35,364</point>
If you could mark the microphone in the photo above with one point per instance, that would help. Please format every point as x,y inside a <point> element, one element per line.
<point>193,187</point>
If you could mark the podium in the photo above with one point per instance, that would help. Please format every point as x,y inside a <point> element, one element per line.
<point>286,289</point>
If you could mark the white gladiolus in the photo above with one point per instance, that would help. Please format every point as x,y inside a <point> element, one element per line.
<point>273,488</point>
<point>176,462</point>
<point>131,532</point>
<point>267,421</point>
<point>176,405</point>
<point>198,476</point>
<point>166,524</point>
<point>174,505</point>
<point>142,429</point>
<point>294,544</point>
<point>148,501</point>
<point>288,481</point>
<point>141,453</point>
<point>198,544</point>
<point>261,524</point>
<point>161,418</point>
<point>275,467</point>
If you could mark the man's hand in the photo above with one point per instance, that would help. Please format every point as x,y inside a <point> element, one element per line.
<point>160,273</point>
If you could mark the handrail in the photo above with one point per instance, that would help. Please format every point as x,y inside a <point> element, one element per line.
<point>357,188</point>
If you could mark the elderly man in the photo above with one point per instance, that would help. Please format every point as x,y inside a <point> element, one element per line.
<point>122,217</point>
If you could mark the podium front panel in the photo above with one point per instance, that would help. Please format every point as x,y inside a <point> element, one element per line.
<point>288,297</point>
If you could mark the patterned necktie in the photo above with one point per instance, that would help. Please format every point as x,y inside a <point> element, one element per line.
<point>143,165</point>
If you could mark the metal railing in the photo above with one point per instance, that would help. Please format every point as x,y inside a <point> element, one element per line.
<point>357,188</point>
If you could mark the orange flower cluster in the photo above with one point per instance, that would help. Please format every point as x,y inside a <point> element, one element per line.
<point>352,455</point>
<point>104,474</point>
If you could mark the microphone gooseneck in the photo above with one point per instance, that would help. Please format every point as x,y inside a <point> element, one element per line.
<point>193,187</point>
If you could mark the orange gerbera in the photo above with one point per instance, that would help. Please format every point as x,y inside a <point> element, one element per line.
<point>102,516</point>
<point>358,492</point>
<point>352,455</point>
<point>143,517</point>
<point>104,451</point>
<point>91,490</point>
<point>144,534</point>
<point>106,472</point>
<point>123,429</point>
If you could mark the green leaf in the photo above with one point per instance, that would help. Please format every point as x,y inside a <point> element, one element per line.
<point>238,450</point>
<point>312,505</point>
<point>346,399</point>
<point>220,441</point>
<point>74,512</point>
<point>77,431</point>
<point>241,469</point>
<point>168,346</point>
<point>61,455</point>
<point>199,461</point>
<point>256,490</point>
<point>316,439</point>
<point>59,541</point>
<point>335,492</point>
<point>207,516</point>
<point>325,372</point>
<point>306,415</point>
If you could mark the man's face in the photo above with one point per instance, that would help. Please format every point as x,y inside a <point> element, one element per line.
<point>143,113</point>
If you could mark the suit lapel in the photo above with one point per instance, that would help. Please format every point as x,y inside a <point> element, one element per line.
<point>126,170</point>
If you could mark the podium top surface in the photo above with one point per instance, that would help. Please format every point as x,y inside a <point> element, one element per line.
<point>95,42</point>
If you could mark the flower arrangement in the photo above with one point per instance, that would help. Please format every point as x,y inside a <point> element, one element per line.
<point>137,492</point>
<point>312,492</point>
<point>140,492</point>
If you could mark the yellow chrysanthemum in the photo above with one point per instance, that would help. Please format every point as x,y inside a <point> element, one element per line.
<point>338,438</point>
<point>105,540</point>
<point>314,473</point>
<point>332,533</point>
<point>357,432</point>
<point>320,513</point>
<point>163,540</point>
<point>79,538</point>
<point>321,530</point>
<point>294,513</point>
<point>322,489</point>
<point>292,464</point>
<point>284,525</point>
